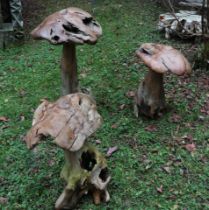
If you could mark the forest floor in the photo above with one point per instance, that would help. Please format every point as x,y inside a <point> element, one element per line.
<point>159,164</point>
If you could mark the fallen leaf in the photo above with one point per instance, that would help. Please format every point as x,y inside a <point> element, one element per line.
<point>3,200</point>
<point>201,118</point>
<point>183,171</point>
<point>175,207</point>
<point>29,65</point>
<point>35,170</point>
<point>83,75</point>
<point>172,197</point>
<point>98,141</point>
<point>190,147</point>
<point>204,159</point>
<point>132,142</point>
<point>111,150</point>
<point>188,138</point>
<point>167,169</point>
<point>51,162</point>
<point>22,92</point>
<point>177,162</point>
<point>4,119</point>
<point>122,107</point>
<point>4,127</point>
<point>175,118</point>
<point>22,117</point>
<point>147,167</point>
<point>151,128</point>
<point>160,189</point>
<point>205,109</point>
<point>130,94</point>
<point>114,126</point>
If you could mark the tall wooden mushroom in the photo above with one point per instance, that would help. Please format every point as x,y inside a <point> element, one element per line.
<point>69,27</point>
<point>70,121</point>
<point>150,96</point>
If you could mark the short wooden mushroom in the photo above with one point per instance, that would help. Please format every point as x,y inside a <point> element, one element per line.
<point>159,58</point>
<point>69,27</point>
<point>70,121</point>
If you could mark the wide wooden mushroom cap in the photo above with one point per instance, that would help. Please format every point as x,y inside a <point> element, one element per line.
<point>71,25</point>
<point>70,121</point>
<point>162,58</point>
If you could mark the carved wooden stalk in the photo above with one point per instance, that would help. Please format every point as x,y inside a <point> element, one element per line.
<point>69,69</point>
<point>150,96</point>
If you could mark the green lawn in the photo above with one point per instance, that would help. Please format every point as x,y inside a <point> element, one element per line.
<point>152,169</point>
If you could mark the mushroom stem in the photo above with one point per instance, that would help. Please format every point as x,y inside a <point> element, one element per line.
<point>150,96</point>
<point>82,174</point>
<point>71,159</point>
<point>69,69</point>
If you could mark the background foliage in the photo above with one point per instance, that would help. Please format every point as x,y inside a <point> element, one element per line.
<point>160,164</point>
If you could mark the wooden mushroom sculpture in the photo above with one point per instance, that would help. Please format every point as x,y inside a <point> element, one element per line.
<point>70,121</point>
<point>69,27</point>
<point>159,58</point>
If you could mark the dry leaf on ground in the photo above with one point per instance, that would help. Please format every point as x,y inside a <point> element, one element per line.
<point>151,128</point>
<point>111,150</point>
<point>190,147</point>
<point>4,119</point>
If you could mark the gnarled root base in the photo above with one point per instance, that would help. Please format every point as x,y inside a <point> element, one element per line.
<point>149,98</point>
<point>85,171</point>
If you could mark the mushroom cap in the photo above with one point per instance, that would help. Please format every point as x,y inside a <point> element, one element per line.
<point>70,120</point>
<point>162,58</point>
<point>71,25</point>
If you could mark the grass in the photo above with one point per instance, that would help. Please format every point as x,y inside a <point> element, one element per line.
<point>152,169</point>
